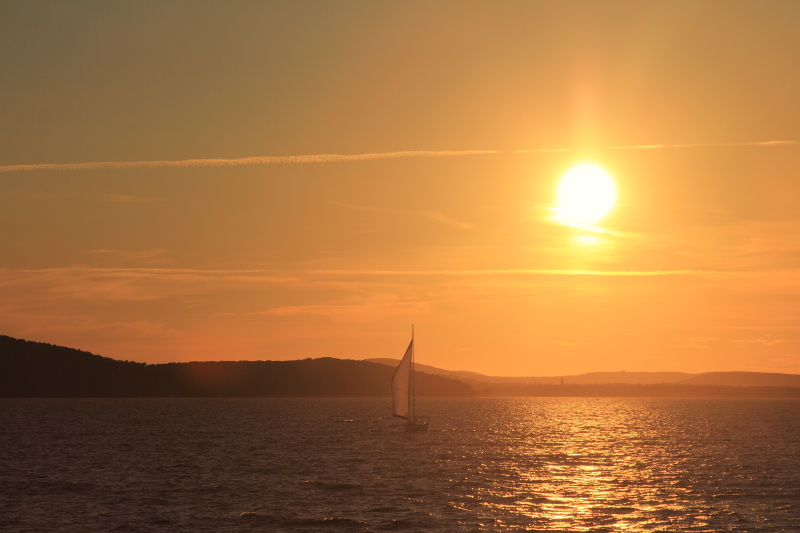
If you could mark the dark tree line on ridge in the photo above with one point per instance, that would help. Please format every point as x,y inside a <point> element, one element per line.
<point>35,369</point>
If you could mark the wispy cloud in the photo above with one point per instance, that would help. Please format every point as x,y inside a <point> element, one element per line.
<point>444,219</point>
<point>152,284</point>
<point>787,363</point>
<point>431,215</point>
<point>360,272</point>
<point>128,199</point>
<point>540,150</point>
<point>766,340</point>
<point>562,343</point>
<point>343,158</point>
<point>244,161</point>
<point>699,342</point>
<point>132,255</point>
<point>530,272</point>
<point>128,284</point>
<point>701,145</point>
<point>384,304</point>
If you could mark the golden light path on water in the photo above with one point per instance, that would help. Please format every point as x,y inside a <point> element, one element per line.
<point>321,464</point>
<point>603,463</point>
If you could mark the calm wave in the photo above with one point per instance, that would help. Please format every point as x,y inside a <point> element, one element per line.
<point>344,465</point>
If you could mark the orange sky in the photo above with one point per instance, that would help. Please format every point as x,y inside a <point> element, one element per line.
<point>405,159</point>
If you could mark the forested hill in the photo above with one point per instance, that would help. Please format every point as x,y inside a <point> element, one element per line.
<point>34,369</point>
<point>712,379</point>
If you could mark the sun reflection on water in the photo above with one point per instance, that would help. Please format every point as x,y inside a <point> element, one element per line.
<point>586,464</point>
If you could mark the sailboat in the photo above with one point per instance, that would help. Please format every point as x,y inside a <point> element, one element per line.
<point>403,391</point>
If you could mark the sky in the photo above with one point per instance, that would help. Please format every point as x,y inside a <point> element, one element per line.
<point>249,180</point>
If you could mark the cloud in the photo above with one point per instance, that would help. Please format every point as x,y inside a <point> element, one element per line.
<point>132,255</point>
<point>700,342</point>
<point>431,215</point>
<point>340,158</point>
<point>244,161</point>
<point>766,340</point>
<point>188,287</point>
<point>444,219</point>
<point>789,361</point>
<point>293,276</point>
<point>346,294</point>
<point>91,284</point>
<point>700,145</point>
<point>366,309</point>
<point>562,343</point>
<point>540,150</point>
<point>128,199</point>
<point>141,270</point>
<point>529,272</point>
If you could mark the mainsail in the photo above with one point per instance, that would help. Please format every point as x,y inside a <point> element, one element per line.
<point>403,385</point>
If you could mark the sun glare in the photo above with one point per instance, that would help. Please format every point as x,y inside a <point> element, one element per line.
<point>585,195</point>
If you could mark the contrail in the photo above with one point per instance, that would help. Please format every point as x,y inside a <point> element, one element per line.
<point>523,272</point>
<point>342,158</point>
<point>156,271</point>
<point>701,145</point>
<point>244,161</point>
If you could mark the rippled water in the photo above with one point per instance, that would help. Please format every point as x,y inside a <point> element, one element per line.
<point>343,465</point>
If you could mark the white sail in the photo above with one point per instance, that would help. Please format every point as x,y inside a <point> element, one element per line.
<point>403,386</point>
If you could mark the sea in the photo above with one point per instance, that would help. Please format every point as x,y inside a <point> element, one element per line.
<point>341,465</point>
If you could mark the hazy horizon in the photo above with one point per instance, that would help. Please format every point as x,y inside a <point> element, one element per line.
<point>279,180</point>
<point>422,367</point>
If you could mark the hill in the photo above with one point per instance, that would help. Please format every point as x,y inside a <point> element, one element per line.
<point>657,384</point>
<point>591,378</point>
<point>744,379</point>
<point>34,369</point>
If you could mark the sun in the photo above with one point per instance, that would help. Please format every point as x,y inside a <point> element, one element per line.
<point>586,194</point>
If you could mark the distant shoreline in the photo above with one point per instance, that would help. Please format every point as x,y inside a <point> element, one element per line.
<point>38,370</point>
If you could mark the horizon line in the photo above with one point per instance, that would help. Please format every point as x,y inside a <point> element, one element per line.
<point>372,359</point>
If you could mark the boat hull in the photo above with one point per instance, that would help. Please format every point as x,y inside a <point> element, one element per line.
<point>417,425</point>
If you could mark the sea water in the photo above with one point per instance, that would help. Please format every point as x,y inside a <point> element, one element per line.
<point>533,464</point>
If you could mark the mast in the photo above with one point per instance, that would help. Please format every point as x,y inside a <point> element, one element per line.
<point>402,385</point>
<point>411,379</point>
